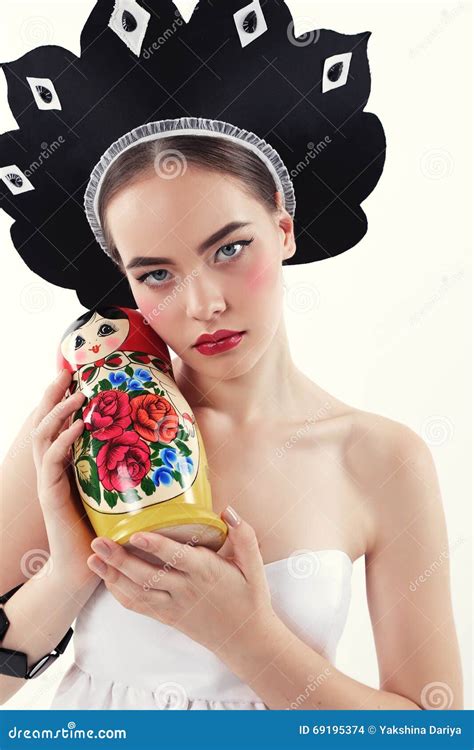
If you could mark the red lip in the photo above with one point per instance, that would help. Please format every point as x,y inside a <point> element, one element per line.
<point>217,336</point>
<point>95,348</point>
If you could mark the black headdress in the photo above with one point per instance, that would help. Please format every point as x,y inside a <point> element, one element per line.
<point>234,69</point>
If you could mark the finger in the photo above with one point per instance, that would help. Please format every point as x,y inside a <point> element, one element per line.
<point>126,591</point>
<point>57,456</point>
<point>141,572</point>
<point>53,423</point>
<point>53,393</point>
<point>184,557</point>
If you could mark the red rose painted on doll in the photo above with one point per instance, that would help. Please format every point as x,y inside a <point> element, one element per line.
<point>107,414</point>
<point>154,418</point>
<point>122,462</point>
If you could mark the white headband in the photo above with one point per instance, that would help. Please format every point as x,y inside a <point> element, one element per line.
<point>184,126</point>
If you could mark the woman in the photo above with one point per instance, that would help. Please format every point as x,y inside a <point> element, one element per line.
<point>256,624</point>
<point>313,483</point>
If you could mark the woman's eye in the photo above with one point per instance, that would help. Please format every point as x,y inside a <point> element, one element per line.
<point>79,342</point>
<point>146,276</point>
<point>153,279</point>
<point>106,329</point>
<point>233,245</point>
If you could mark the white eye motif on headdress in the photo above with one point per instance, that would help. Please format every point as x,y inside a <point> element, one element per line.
<point>15,180</point>
<point>129,21</point>
<point>44,93</point>
<point>336,70</point>
<point>250,23</point>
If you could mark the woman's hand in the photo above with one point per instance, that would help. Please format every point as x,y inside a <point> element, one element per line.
<point>210,598</point>
<point>68,529</point>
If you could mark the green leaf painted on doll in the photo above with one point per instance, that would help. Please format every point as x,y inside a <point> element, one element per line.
<point>86,438</point>
<point>88,372</point>
<point>129,496</point>
<point>105,385</point>
<point>176,475</point>
<point>86,471</point>
<point>96,446</point>
<point>141,358</point>
<point>183,448</point>
<point>110,498</point>
<point>137,392</point>
<point>157,445</point>
<point>148,486</point>
<point>114,361</point>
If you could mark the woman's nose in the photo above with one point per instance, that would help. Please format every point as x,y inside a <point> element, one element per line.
<point>203,299</point>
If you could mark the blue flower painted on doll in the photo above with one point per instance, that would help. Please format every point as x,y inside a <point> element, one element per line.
<point>143,374</point>
<point>117,378</point>
<point>169,457</point>
<point>162,476</point>
<point>185,465</point>
<point>134,384</point>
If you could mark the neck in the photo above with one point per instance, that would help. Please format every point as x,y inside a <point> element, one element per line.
<point>272,383</point>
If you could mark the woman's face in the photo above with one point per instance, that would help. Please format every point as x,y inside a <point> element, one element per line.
<point>201,255</point>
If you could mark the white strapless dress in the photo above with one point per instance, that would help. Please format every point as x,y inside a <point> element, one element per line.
<point>124,660</point>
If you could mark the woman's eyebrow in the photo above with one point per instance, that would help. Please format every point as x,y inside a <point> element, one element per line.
<point>148,260</point>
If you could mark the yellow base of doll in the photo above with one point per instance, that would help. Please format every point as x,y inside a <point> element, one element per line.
<point>183,522</point>
<point>180,520</point>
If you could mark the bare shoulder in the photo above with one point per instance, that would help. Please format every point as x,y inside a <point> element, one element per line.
<point>377,444</point>
<point>395,473</point>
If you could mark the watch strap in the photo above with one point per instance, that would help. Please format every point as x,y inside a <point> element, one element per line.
<point>15,663</point>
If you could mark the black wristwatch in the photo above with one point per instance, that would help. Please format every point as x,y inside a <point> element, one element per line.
<point>15,663</point>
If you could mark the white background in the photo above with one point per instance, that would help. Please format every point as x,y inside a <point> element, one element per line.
<point>388,322</point>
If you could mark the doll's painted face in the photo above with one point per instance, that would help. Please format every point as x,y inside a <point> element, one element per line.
<point>95,339</point>
<point>201,254</point>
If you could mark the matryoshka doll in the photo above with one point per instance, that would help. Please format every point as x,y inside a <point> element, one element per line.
<point>140,463</point>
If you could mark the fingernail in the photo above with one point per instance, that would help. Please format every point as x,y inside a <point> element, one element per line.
<point>139,540</point>
<point>232,518</point>
<point>101,547</point>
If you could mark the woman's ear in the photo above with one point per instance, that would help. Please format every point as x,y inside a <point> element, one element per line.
<point>285,224</point>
